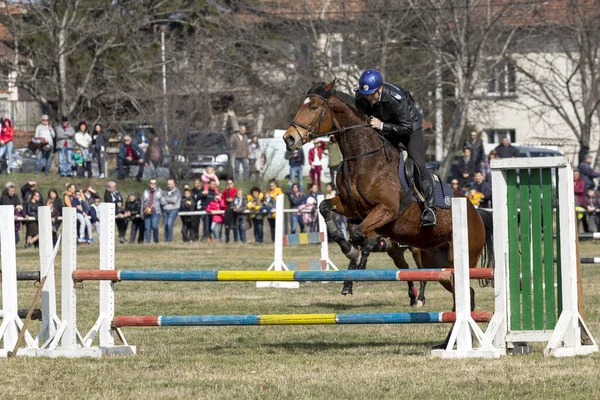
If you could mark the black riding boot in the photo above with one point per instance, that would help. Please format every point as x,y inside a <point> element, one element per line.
<point>428,217</point>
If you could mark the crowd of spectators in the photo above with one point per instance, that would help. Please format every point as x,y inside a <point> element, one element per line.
<point>586,196</point>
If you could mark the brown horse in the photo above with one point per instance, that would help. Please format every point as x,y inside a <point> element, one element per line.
<point>369,190</point>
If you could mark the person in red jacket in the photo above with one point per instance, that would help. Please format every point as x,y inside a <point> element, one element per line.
<point>579,187</point>
<point>7,135</point>
<point>315,160</point>
<point>216,226</point>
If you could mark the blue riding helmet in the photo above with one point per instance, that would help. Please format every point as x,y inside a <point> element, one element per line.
<point>369,82</point>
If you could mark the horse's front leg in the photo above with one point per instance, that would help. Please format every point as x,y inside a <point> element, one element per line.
<point>333,230</point>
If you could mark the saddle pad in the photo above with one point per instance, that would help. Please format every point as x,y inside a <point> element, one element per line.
<point>442,192</point>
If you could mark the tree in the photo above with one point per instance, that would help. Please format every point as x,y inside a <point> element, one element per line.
<point>562,76</point>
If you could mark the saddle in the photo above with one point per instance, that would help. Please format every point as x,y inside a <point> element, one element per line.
<point>409,174</point>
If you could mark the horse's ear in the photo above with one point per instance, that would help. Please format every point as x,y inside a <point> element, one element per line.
<point>330,85</point>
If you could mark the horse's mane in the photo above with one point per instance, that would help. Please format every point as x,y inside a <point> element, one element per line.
<point>319,89</point>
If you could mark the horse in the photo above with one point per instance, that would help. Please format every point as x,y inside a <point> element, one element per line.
<point>370,194</point>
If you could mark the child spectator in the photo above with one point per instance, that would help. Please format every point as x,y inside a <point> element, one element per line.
<point>255,199</point>
<point>78,161</point>
<point>241,220</point>
<point>206,198</point>
<point>475,197</point>
<point>208,175</point>
<point>309,213</point>
<point>187,223</point>
<point>591,202</point>
<point>274,191</point>
<point>133,212</point>
<point>217,218</point>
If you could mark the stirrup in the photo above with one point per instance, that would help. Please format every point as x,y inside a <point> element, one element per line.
<point>428,217</point>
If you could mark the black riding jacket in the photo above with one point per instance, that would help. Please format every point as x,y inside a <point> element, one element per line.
<point>396,109</point>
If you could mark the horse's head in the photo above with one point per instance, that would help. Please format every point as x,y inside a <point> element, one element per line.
<point>313,119</point>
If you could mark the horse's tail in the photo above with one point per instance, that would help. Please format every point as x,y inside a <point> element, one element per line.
<point>487,257</point>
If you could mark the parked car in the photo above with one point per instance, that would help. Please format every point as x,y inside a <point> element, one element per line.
<point>524,151</point>
<point>198,150</point>
<point>23,161</point>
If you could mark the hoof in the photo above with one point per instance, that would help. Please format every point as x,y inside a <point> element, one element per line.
<point>420,303</point>
<point>347,290</point>
<point>413,302</point>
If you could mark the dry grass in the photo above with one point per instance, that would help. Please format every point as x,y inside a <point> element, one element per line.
<point>283,361</point>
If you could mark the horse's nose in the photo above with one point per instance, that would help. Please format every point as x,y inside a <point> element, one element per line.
<point>290,142</point>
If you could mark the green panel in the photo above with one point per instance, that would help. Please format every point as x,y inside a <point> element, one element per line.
<point>524,225</point>
<point>536,247</point>
<point>548,248</point>
<point>513,248</point>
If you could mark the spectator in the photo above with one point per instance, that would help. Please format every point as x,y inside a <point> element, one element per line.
<point>484,188</point>
<point>506,150</point>
<point>335,158</point>
<point>69,195</point>
<point>54,218</point>
<point>208,196</point>
<point>315,160</point>
<point>155,156</point>
<point>112,195</point>
<point>151,210</point>
<point>255,199</point>
<point>90,194</point>
<point>579,188</point>
<point>133,213</point>
<point>187,224</point>
<point>229,195</point>
<point>296,162</point>
<point>100,142</point>
<point>57,206</point>
<point>309,213</point>
<point>197,199</point>
<point>214,208</point>
<point>130,153</point>
<point>475,197</point>
<point>241,151</point>
<point>83,140</point>
<point>95,215</point>
<point>254,159</point>
<point>83,211</point>
<point>455,185</point>
<point>31,210</point>
<point>475,144</point>
<point>297,199</point>
<point>10,198</point>
<point>78,162</point>
<point>27,190</point>
<point>65,135</point>
<point>241,221</point>
<point>466,167</point>
<point>591,202</point>
<point>208,175</point>
<point>587,173</point>
<point>7,135</point>
<point>44,133</point>
<point>170,203</point>
<point>313,191</point>
<point>274,191</point>
<point>487,170</point>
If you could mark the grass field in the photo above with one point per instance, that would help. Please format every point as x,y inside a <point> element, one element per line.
<point>280,362</point>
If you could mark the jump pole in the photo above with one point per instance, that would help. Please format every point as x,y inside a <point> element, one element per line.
<point>278,263</point>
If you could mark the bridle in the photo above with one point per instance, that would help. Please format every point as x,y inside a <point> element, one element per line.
<point>315,127</point>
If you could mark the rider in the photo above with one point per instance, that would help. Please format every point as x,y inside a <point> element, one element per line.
<point>392,110</point>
